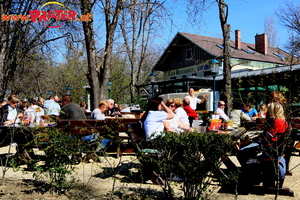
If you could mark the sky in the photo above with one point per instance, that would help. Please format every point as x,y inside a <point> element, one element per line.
<point>248,16</point>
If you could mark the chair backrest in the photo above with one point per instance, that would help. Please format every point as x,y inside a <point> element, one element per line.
<point>136,134</point>
<point>260,123</point>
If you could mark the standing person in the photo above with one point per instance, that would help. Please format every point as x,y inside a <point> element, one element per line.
<point>98,113</point>
<point>252,112</point>
<point>10,113</point>
<point>194,100</point>
<point>70,110</point>
<point>51,107</point>
<point>189,111</point>
<point>220,110</point>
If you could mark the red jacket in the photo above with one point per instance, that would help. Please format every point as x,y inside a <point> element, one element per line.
<point>190,112</point>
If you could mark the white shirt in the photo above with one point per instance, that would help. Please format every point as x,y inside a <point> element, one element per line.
<point>153,124</point>
<point>97,114</point>
<point>193,101</point>
<point>182,116</point>
<point>34,113</point>
<point>222,114</point>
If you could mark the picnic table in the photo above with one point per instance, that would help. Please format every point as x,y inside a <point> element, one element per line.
<point>30,137</point>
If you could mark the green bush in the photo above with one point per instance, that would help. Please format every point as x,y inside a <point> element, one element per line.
<point>192,157</point>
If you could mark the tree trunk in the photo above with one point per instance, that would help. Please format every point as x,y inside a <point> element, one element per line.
<point>93,73</point>
<point>226,53</point>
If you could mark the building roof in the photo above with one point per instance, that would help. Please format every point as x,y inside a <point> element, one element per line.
<point>214,47</point>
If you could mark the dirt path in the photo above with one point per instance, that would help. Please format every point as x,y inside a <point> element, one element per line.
<point>97,182</point>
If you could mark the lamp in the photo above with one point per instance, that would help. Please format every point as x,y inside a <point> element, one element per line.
<point>214,67</point>
<point>68,90</point>
<point>153,80</point>
<point>110,84</point>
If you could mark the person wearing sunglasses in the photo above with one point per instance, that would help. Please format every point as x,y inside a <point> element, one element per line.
<point>10,113</point>
<point>220,110</point>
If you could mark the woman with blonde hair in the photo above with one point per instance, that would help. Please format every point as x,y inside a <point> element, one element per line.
<point>98,113</point>
<point>180,112</point>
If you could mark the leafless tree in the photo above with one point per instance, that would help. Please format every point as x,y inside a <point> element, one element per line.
<point>137,23</point>
<point>289,16</point>
<point>196,9</point>
<point>271,31</point>
<point>19,38</point>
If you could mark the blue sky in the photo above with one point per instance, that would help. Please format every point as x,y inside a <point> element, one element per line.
<point>245,15</point>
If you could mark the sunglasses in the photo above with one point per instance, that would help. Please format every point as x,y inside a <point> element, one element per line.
<point>15,102</point>
<point>222,104</point>
<point>171,106</point>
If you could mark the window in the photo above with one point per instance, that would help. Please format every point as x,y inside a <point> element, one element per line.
<point>189,54</point>
<point>183,76</point>
<point>194,74</point>
<point>248,51</point>
<point>172,77</point>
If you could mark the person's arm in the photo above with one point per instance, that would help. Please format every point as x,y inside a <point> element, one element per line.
<point>183,126</point>
<point>170,114</point>
<point>168,127</point>
<point>203,99</point>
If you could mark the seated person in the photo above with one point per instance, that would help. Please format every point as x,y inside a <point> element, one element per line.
<point>10,113</point>
<point>237,116</point>
<point>156,119</point>
<point>220,110</point>
<point>262,111</point>
<point>180,112</point>
<point>98,113</point>
<point>248,110</point>
<point>70,110</point>
<point>51,107</point>
<point>189,111</point>
<point>34,112</point>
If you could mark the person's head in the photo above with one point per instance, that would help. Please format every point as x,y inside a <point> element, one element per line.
<point>34,102</point>
<point>221,104</point>
<point>171,104</point>
<point>51,97</point>
<point>178,102</point>
<point>103,106</point>
<point>154,104</point>
<point>263,107</point>
<point>56,98</point>
<point>191,91</point>
<point>247,106</point>
<point>237,105</point>
<point>111,103</point>
<point>277,96</point>
<point>82,104</point>
<point>13,100</point>
<point>41,100</point>
<point>66,99</point>
<point>186,102</point>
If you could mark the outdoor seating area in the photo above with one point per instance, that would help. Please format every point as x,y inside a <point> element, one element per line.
<point>127,135</point>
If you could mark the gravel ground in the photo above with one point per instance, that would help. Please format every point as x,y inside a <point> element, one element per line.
<point>98,182</point>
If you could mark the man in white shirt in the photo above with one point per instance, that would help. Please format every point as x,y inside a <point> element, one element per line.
<point>194,100</point>
<point>220,110</point>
